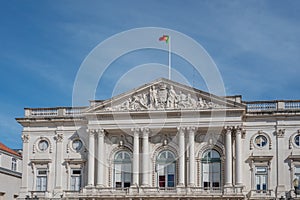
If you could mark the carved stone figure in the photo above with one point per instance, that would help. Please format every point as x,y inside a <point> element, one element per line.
<point>201,103</point>
<point>191,102</point>
<point>153,97</point>
<point>172,98</point>
<point>182,101</point>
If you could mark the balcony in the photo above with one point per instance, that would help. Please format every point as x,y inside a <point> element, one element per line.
<point>272,106</point>
<point>54,112</point>
<point>156,192</point>
<point>261,194</point>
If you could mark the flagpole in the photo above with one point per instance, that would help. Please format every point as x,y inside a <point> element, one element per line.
<point>169,58</point>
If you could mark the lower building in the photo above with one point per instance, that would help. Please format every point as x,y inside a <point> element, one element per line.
<point>163,140</point>
<point>10,173</point>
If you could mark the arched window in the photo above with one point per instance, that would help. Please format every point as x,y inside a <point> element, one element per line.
<point>211,169</point>
<point>165,168</point>
<point>122,169</point>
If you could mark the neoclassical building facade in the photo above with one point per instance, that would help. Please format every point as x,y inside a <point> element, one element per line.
<point>162,140</point>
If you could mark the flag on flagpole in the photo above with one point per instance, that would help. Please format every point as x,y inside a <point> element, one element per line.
<point>164,38</point>
<point>167,39</point>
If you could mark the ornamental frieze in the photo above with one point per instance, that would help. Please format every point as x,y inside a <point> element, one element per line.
<point>159,97</point>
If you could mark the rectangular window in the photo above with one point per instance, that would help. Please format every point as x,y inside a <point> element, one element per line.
<point>14,164</point>
<point>261,179</point>
<point>41,180</point>
<point>297,175</point>
<point>75,179</point>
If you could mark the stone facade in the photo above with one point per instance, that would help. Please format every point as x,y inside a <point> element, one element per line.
<point>163,140</point>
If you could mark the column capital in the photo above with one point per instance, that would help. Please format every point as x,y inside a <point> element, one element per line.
<point>228,129</point>
<point>59,136</point>
<point>101,133</point>
<point>25,138</point>
<point>92,132</point>
<point>145,131</point>
<point>192,129</point>
<point>136,131</point>
<point>239,130</point>
<point>181,129</point>
<point>280,133</point>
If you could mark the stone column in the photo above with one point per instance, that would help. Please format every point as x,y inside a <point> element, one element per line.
<point>192,156</point>
<point>91,158</point>
<point>181,178</point>
<point>228,157</point>
<point>135,167</point>
<point>101,158</point>
<point>238,156</point>
<point>58,163</point>
<point>146,160</point>
<point>25,162</point>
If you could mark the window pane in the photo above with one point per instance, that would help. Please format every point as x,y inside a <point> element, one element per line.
<point>127,177</point>
<point>118,177</point>
<point>206,177</point>
<point>216,177</point>
<point>76,171</point>
<point>261,169</point>
<point>162,181</point>
<point>126,156</point>
<point>206,184</point>
<point>171,180</point>
<point>216,167</point>
<point>216,184</point>
<point>126,167</point>
<point>205,167</point>
<point>161,170</point>
<point>75,183</point>
<point>127,184</point>
<point>171,168</point>
<point>42,172</point>
<point>118,184</point>
<point>215,154</point>
<point>297,170</point>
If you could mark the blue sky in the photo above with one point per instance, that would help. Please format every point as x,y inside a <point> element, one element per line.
<point>255,44</point>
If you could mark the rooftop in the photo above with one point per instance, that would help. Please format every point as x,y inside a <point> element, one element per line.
<point>8,150</point>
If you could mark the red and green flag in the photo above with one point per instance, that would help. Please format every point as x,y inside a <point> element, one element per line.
<point>164,38</point>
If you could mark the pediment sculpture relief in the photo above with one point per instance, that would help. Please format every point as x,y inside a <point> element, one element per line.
<point>160,97</point>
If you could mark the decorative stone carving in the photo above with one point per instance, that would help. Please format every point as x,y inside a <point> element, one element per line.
<point>25,138</point>
<point>280,133</point>
<point>163,97</point>
<point>59,137</point>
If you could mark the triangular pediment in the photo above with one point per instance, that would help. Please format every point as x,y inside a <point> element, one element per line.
<point>163,94</point>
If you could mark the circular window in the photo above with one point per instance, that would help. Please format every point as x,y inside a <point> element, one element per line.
<point>261,141</point>
<point>43,145</point>
<point>297,140</point>
<point>77,144</point>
